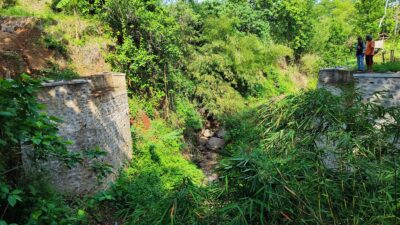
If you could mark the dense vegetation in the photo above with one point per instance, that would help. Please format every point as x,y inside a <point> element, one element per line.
<point>249,64</point>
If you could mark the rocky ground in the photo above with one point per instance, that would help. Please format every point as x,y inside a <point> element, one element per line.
<point>210,142</point>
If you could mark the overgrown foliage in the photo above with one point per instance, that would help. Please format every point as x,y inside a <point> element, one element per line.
<point>29,138</point>
<point>220,52</point>
<point>23,123</point>
<point>54,72</point>
<point>160,186</point>
<point>309,160</point>
<point>148,49</point>
<point>306,158</point>
<point>317,164</point>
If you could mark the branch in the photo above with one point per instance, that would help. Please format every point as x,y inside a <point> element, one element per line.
<point>10,170</point>
<point>384,15</point>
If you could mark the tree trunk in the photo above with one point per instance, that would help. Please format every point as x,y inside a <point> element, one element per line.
<point>384,15</point>
<point>77,26</point>
<point>166,100</point>
<point>396,28</point>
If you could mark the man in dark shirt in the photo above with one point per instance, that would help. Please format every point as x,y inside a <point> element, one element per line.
<point>360,50</point>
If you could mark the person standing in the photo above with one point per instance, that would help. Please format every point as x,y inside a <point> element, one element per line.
<point>369,52</point>
<point>360,51</point>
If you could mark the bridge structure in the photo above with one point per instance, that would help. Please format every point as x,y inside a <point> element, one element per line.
<point>382,88</point>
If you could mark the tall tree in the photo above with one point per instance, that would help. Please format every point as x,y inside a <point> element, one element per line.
<point>396,17</point>
<point>149,46</point>
<point>290,20</point>
<point>333,29</point>
<point>369,15</point>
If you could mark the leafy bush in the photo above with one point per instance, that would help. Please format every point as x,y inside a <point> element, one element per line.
<point>334,35</point>
<point>43,205</point>
<point>7,3</point>
<point>23,123</point>
<point>54,44</point>
<point>233,58</point>
<point>230,66</point>
<point>138,104</point>
<point>148,45</point>
<point>157,179</point>
<point>74,6</point>
<point>187,115</point>
<point>56,73</point>
<point>277,83</point>
<point>291,22</point>
<point>310,64</point>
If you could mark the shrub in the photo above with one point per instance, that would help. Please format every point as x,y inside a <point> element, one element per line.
<point>43,205</point>
<point>277,83</point>
<point>54,44</point>
<point>230,66</point>
<point>310,64</point>
<point>148,45</point>
<point>73,6</point>
<point>188,117</point>
<point>22,122</point>
<point>7,3</point>
<point>158,178</point>
<point>56,73</point>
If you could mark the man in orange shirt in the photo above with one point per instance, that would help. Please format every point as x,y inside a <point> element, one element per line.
<point>369,53</point>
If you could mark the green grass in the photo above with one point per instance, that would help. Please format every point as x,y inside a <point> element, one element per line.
<point>387,67</point>
<point>15,11</point>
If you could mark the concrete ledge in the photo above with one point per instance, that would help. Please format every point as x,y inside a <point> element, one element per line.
<point>108,74</point>
<point>84,80</point>
<point>379,88</point>
<point>335,76</point>
<point>337,68</point>
<point>377,75</point>
<point>62,83</point>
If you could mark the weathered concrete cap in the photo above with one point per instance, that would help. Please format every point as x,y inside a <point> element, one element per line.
<point>336,68</point>
<point>108,74</point>
<point>377,75</point>
<point>67,82</point>
<point>84,80</point>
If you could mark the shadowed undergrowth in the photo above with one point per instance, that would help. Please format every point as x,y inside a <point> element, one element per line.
<point>309,158</point>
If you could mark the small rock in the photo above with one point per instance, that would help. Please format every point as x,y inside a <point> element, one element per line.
<point>215,143</point>
<point>221,133</point>
<point>211,155</point>
<point>202,140</point>
<point>203,111</point>
<point>207,133</point>
<point>202,148</point>
<point>213,177</point>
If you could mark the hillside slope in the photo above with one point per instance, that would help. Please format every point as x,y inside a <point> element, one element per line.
<point>37,41</point>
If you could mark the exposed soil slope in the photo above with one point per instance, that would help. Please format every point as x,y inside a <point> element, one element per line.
<point>21,48</point>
